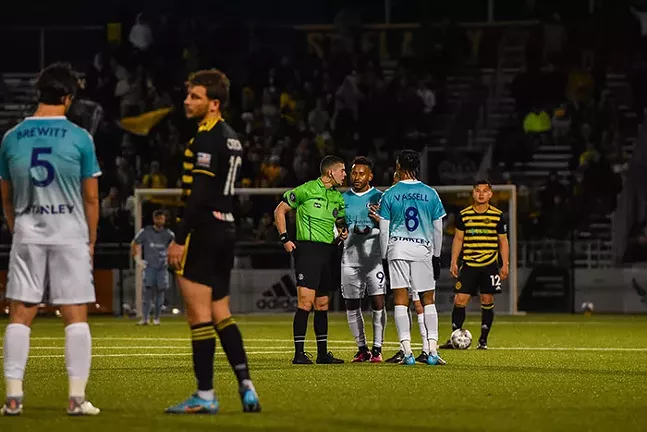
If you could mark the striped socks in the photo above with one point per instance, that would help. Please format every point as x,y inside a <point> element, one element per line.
<point>203,340</point>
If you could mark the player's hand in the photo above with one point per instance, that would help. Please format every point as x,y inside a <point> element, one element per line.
<point>373,210</point>
<point>140,261</point>
<point>453,269</point>
<point>435,262</point>
<point>289,246</point>
<point>175,254</point>
<point>504,272</point>
<point>343,234</point>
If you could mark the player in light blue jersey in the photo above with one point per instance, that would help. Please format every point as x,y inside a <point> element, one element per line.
<point>411,240</point>
<point>48,171</point>
<point>362,262</point>
<point>149,248</point>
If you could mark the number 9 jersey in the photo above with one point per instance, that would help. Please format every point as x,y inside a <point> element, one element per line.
<point>411,207</point>
<point>45,159</point>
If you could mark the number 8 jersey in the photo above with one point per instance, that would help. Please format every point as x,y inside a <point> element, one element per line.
<point>411,207</point>
<point>45,159</point>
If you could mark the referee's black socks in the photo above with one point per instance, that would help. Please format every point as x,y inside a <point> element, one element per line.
<point>203,340</point>
<point>232,344</point>
<point>458,317</point>
<point>321,332</point>
<point>299,327</point>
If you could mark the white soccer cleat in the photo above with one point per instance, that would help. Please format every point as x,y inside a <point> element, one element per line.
<point>143,322</point>
<point>156,322</point>
<point>12,407</point>
<point>84,408</point>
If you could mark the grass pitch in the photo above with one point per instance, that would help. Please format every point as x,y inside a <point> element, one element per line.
<point>542,372</point>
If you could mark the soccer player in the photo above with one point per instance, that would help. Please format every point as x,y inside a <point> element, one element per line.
<point>411,239</point>
<point>50,198</point>
<point>481,232</point>
<point>152,242</point>
<point>321,224</point>
<point>362,262</point>
<point>203,250</point>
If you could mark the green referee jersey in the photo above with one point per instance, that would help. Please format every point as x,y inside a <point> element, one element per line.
<point>317,210</point>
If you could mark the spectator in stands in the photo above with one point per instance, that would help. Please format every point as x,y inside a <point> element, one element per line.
<point>319,118</point>
<point>141,35</point>
<point>111,205</point>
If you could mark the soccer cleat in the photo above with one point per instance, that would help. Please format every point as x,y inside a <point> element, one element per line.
<point>435,360</point>
<point>302,358</point>
<point>156,322</point>
<point>81,407</point>
<point>422,358</point>
<point>195,405</point>
<point>249,399</point>
<point>329,358</point>
<point>12,407</point>
<point>362,356</point>
<point>482,345</point>
<point>376,355</point>
<point>397,358</point>
<point>447,345</point>
<point>143,322</point>
<point>409,360</point>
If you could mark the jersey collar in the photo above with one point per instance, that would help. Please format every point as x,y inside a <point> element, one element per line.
<point>46,118</point>
<point>359,194</point>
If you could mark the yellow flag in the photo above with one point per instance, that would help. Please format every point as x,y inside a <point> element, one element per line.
<point>142,124</point>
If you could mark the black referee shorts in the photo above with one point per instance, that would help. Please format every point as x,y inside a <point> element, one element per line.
<point>209,257</point>
<point>479,280</point>
<point>318,266</point>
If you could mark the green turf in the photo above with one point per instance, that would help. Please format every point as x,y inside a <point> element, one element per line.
<point>533,378</point>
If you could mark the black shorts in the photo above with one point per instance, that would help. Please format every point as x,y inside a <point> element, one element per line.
<point>209,257</point>
<point>475,280</point>
<point>318,266</point>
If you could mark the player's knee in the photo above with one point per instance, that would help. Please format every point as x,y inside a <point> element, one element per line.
<point>487,299</point>
<point>73,314</point>
<point>321,303</point>
<point>427,298</point>
<point>461,300</point>
<point>22,313</point>
<point>401,297</point>
<point>353,304</point>
<point>377,302</point>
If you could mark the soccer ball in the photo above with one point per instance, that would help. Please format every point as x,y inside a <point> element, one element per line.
<point>461,339</point>
<point>587,308</point>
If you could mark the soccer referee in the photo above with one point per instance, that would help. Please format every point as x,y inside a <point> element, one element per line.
<point>320,215</point>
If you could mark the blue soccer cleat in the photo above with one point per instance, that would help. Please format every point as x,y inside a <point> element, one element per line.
<point>409,360</point>
<point>249,399</point>
<point>195,405</point>
<point>435,360</point>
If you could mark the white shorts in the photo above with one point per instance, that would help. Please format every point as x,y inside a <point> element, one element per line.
<point>416,276</point>
<point>67,269</point>
<point>355,281</point>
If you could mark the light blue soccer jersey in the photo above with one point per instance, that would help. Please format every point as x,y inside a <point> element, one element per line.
<point>154,245</point>
<point>46,159</point>
<point>362,247</point>
<point>411,207</point>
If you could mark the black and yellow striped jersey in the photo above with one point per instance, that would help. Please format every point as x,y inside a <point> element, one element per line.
<point>210,170</point>
<point>481,235</point>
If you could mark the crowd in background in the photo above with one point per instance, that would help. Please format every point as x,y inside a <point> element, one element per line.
<point>293,106</point>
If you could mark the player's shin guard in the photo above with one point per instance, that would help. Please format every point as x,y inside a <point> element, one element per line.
<point>203,341</point>
<point>423,332</point>
<point>403,327</point>
<point>16,351</point>
<point>321,332</point>
<point>431,324</point>
<point>379,327</point>
<point>78,358</point>
<point>299,327</point>
<point>356,325</point>
<point>487,318</point>
<point>232,343</point>
<point>458,317</point>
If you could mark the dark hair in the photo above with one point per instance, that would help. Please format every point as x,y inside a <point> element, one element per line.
<point>362,160</point>
<point>215,82</point>
<point>159,212</point>
<point>482,181</point>
<point>409,161</point>
<point>328,161</point>
<point>55,82</point>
